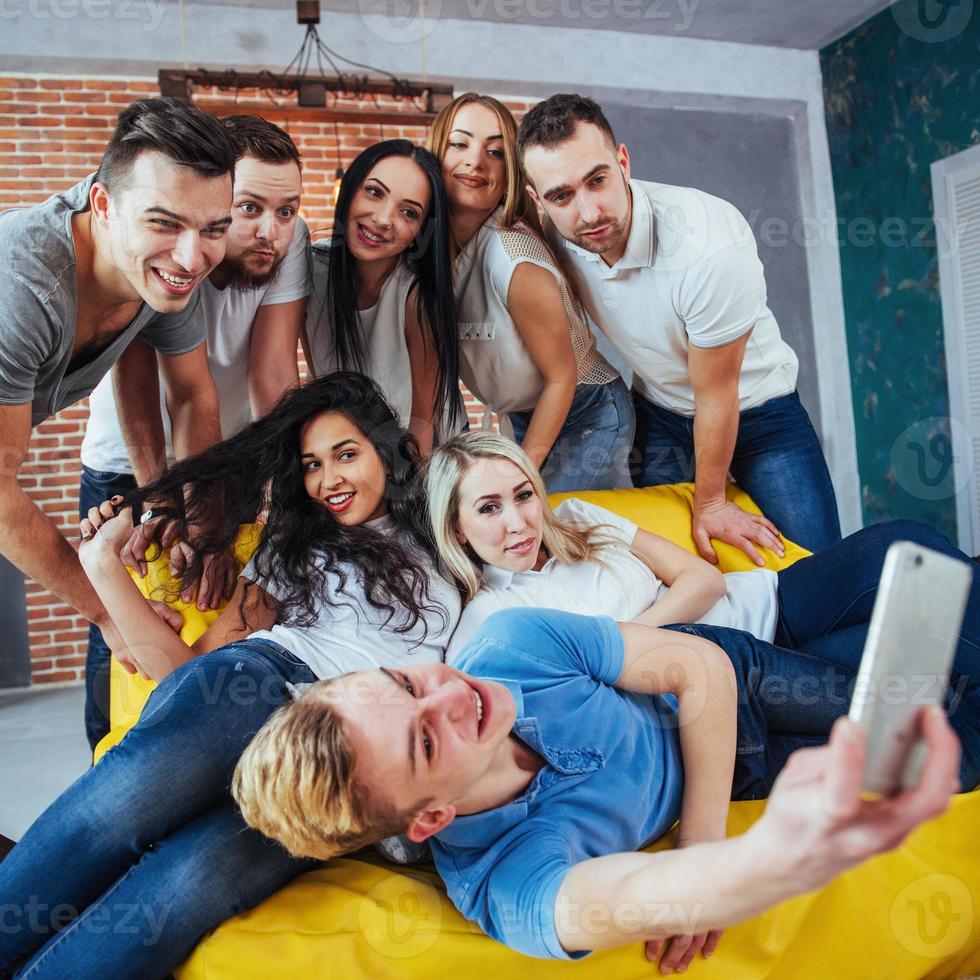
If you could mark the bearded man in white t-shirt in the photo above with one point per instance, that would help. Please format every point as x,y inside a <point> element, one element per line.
<point>671,275</point>
<point>253,305</point>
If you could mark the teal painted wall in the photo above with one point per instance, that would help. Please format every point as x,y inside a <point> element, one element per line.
<point>901,91</point>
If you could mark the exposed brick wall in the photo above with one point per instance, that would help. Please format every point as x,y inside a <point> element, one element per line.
<point>52,134</point>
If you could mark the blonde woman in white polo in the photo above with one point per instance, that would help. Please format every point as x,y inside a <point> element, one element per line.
<point>526,350</point>
<point>497,536</point>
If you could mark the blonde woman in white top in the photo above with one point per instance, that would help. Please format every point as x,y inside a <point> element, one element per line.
<point>526,350</point>
<point>500,540</point>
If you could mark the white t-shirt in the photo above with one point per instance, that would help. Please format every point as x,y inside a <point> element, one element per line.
<point>353,635</point>
<point>494,362</point>
<point>623,590</point>
<point>383,325</point>
<point>690,274</point>
<point>228,314</point>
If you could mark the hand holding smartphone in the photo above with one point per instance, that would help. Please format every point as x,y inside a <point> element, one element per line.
<point>907,658</point>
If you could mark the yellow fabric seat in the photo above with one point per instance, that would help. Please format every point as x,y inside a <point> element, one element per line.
<point>911,913</point>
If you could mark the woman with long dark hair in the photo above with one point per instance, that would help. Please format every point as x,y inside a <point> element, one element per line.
<point>382,300</point>
<point>526,350</point>
<point>147,851</point>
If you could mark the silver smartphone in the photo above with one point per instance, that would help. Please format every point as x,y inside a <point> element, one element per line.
<point>908,655</point>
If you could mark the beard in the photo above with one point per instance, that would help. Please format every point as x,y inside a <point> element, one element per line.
<point>241,277</point>
<point>616,231</point>
<point>615,236</point>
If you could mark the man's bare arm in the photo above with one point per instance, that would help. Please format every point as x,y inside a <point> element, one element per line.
<point>273,367</point>
<point>192,401</point>
<point>699,673</point>
<point>816,825</point>
<point>29,538</point>
<point>137,388</point>
<point>714,377</point>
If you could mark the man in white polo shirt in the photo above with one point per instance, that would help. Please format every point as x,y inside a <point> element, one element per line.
<point>672,276</point>
<point>253,305</point>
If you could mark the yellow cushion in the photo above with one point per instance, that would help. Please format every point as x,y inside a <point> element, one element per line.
<point>667,511</point>
<point>912,913</point>
<point>128,692</point>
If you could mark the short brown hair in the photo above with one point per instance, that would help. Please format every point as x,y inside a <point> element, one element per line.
<point>256,137</point>
<point>553,121</point>
<point>297,782</point>
<point>178,129</point>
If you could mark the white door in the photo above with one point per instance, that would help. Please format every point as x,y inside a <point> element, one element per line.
<point>956,195</point>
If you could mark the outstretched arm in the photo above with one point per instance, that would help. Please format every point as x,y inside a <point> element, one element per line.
<point>29,538</point>
<point>425,376</point>
<point>714,379</point>
<point>136,384</point>
<point>273,368</point>
<point>535,303</point>
<point>816,826</point>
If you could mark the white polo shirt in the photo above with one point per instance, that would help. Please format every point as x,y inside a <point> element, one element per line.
<point>623,588</point>
<point>494,361</point>
<point>383,327</point>
<point>228,314</point>
<point>690,275</point>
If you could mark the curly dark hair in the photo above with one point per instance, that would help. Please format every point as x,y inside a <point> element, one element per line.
<point>259,471</point>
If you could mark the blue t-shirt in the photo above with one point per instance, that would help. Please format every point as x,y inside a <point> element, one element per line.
<point>612,779</point>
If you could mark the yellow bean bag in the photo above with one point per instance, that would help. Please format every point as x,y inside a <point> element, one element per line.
<point>909,914</point>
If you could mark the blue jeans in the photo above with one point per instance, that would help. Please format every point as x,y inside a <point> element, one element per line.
<point>825,604</point>
<point>792,689</point>
<point>593,448</point>
<point>96,486</point>
<point>787,700</point>
<point>124,873</point>
<point>777,461</point>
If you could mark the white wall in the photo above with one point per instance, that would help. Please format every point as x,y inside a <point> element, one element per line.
<point>135,37</point>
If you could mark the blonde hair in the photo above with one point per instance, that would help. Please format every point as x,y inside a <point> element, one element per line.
<point>449,464</point>
<point>296,782</point>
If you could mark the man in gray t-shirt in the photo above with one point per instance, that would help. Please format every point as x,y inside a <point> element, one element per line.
<point>117,256</point>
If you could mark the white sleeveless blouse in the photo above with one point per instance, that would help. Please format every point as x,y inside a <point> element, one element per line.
<point>387,360</point>
<point>494,362</point>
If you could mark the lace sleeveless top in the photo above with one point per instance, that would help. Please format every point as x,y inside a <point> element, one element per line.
<point>494,362</point>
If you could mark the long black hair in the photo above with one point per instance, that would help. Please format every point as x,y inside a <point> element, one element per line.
<point>429,260</point>
<point>259,471</point>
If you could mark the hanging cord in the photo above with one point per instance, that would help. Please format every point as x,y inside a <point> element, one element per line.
<point>425,69</point>
<point>183,34</point>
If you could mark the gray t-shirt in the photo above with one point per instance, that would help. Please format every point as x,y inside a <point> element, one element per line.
<point>39,303</point>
